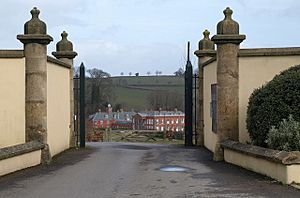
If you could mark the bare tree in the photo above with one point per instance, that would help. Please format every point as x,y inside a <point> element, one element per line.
<point>76,71</point>
<point>122,73</point>
<point>179,72</point>
<point>130,73</point>
<point>148,73</point>
<point>99,90</point>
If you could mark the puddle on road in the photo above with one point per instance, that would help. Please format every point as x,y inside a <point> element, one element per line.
<point>174,169</point>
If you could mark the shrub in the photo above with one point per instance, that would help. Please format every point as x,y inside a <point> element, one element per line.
<point>286,137</point>
<point>272,103</point>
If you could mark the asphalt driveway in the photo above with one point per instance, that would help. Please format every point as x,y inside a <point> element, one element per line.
<point>125,170</point>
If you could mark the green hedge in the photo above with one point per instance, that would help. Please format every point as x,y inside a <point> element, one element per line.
<point>272,103</point>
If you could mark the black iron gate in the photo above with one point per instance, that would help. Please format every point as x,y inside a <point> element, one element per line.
<point>195,121</point>
<point>188,102</point>
<point>79,106</point>
<point>190,114</point>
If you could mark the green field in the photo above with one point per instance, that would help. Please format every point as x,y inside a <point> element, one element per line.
<point>133,92</point>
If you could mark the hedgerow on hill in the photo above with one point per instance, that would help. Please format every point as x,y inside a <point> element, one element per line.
<point>272,103</point>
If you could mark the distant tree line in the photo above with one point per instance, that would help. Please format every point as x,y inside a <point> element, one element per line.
<point>179,72</point>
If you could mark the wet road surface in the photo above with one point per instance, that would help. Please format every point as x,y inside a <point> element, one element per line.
<point>124,170</point>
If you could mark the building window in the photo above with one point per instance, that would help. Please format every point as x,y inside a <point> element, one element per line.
<point>213,107</point>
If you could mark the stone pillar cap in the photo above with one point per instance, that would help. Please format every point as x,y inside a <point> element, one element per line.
<point>206,46</point>
<point>206,43</point>
<point>228,25</point>
<point>228,30</point>
<point>35,30</point>
<point>64,48</point>
<point>64,44</point>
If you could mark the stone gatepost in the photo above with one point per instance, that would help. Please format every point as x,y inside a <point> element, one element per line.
<point>65,53</point>
<point>228,40</point>
<point>205,52</point>
<point>35,40</point>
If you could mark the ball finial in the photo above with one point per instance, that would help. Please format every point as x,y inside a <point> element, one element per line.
<point>228,13</point>
<point>206,34</point>
<point>64,35</point>
<point>35,12</point>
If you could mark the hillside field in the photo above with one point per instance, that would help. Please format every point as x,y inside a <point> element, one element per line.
<point>133,92</point>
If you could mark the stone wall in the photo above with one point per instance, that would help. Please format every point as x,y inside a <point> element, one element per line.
<point>280,165</point>
<point>12,100</point>
<point>256,67</point>
<point>36,96</point>
<point>58,114</point>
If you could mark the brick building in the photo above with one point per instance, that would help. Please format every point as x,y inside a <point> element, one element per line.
<point>114,120</point>
<point>159,121</point>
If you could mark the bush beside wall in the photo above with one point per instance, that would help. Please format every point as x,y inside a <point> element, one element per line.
<point>286,137</point>
<point>272,103</point>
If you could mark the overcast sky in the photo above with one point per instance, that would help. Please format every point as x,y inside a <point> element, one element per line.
<point>148,35</point>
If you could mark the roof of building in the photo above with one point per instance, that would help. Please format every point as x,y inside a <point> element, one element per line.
<point>160,113</point>
<point>119,116</point>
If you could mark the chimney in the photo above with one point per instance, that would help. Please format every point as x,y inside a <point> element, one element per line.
<point>109,109</point>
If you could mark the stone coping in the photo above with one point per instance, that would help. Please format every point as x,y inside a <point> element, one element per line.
<point>20,149</point>
<point>58,62</point>
<point>43,39</point>
<point>228,38</point>
<point>281,157</point>
<point>256,52</point>
<point>64,54</point>
<point>213,59</point>
<point>12,54</point>
<point>288,51</point>
<point>202,53</point>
